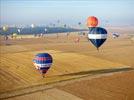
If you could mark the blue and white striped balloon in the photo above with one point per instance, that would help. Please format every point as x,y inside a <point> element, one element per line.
<point>97,36</point>
<point>43,62</point>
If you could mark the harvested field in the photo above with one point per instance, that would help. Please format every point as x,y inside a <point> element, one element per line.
<point>71,60</point>
<point>115,87</point>
<point>22,72</point>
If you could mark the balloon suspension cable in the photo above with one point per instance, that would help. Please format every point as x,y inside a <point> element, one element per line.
<point>43,75</point>
<point>98,49</point>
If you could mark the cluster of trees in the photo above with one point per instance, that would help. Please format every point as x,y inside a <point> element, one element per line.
<point>37,30</point>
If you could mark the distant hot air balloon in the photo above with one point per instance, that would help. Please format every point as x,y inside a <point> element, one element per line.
<point>43,62</point>
<point>45,30</point>
<point>5,28</point>
<point>32,25</point>
<point>32,28</point>
<point>14,35</point>
<point>92,21</point>
<point>115,35</point>
<point>58,21</point>
<point>18,30</point>
<point>65,25</point>
<point>53,25</point>
<point>79,23</point>
<point>97,36</point>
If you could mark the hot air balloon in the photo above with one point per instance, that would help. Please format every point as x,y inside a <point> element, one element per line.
<point>43,62</point>
<point>14,35</point>
<point>5,28</point>
<point>45,30</point>
<point>97,36</point>
<point>92,21</point>
<point>79,23</point>
<point>65,25</point>
<point>58,22</point>
<point>18,30</point>
<point>32,25</point>
<point>115,35</point>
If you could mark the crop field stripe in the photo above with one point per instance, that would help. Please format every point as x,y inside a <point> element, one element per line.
<point>10,77</point>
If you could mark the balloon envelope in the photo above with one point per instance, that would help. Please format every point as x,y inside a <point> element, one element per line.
<point>43,62</point>
<point>97,36</point>
<point>92,21</point>
<point>5,28</point>
<point>45,29</point>
<point>115,35</point>
<point>14,34</point>
<point>18,30</point>
<point>32,25</point>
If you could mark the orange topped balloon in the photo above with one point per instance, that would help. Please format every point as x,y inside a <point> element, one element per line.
<point>92,21</point>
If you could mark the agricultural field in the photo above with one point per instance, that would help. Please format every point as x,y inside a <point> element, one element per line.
<point>71,61</point>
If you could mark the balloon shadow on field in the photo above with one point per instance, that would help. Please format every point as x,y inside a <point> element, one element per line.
<point>96,72</point>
